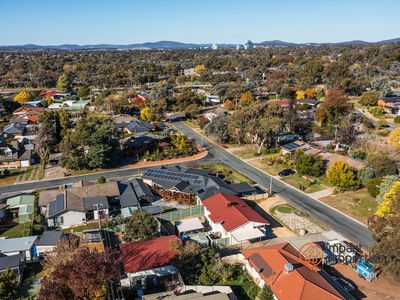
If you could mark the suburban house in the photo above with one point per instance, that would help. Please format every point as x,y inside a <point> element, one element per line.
<point>280,267</point>
<point>83,202</point>
<point>309,103</point>
<point>15,129</point>
<point>70,105</point>
<point>22,206</point>
<point>74,206</point>
<point>198,292</point>
<point>48,241</point>
<point>149,263</point>
<point>231,217</point>
<point>55,95</point>
<point>388,101</point>
<point>133,194</point>
<point>14,155</point>
<point>138,144</point>
<point>135,126</point>
<point>25,246</point>
<point>189,185</point>
<point>213,99</point>
<point>14,263</point>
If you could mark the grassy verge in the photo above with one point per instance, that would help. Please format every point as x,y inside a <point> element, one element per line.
<point>245,152</point>
<point>192,123</point>
<point>358,204</point>
<point>85,171</point>
<point>228,173</point>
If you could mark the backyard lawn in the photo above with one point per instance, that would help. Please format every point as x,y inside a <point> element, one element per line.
<point>19,230</point>
<point>358,204</point>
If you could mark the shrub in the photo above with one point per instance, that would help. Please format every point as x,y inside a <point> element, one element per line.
<point>372,186</point>
<point>397,119</point>
<point>101,179</point>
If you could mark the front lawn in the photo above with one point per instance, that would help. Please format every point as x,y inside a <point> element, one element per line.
<point>358,204</point>
<point>228,173</point>
<point>307,185</point>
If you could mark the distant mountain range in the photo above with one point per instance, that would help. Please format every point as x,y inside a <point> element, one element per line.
<point>179,45</point>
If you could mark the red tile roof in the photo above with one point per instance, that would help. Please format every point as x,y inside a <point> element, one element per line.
<point>149,254</point>
<point>231,211</point>
<point>303,283</point>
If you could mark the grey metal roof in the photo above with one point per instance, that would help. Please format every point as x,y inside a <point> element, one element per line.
<point>91,202</point>
<point>10,262</point>
<point>242,187</point>
<point>128,196</point>
<point>17,244</point>
<point>141,188</point>
<point>50,238</point>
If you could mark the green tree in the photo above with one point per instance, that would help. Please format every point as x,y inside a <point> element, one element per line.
<point>92,144</point>
<point>382,164</point>
<point>266,294</point>
<point>218,127</point>
<point>140,226</point>
<point>309,164</point>
<point>369,98</point>
<point>8,285</point>
<point>83,92</point>
<point>64,83</point>
<point>342,176</point>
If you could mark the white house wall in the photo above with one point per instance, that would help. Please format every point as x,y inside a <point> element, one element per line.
<point>72,218</point>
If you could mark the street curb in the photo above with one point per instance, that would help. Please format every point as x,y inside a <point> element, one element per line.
<point>286,184</point>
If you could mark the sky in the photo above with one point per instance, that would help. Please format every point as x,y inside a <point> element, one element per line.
<point>54,22</point>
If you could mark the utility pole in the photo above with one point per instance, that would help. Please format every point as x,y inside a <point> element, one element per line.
<point>270,185</point>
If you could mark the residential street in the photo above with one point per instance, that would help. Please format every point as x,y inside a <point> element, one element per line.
<point>336,220</point>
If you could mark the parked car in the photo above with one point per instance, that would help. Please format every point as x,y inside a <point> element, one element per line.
<point>345,284</point>
<point>286,172</point>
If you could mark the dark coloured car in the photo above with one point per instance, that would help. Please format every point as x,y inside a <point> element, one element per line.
<point>345,284</point>
<point>286,172</point>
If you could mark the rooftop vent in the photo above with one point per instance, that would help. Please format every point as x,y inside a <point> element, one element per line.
<point>289,267</point>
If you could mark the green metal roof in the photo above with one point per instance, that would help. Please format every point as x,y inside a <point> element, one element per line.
<point>20,201</point>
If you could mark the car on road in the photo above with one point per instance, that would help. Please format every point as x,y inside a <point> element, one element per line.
<point>345,284</point>
<point>286,172</point>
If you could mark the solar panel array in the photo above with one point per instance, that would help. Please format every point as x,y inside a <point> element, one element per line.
<point>291,146</point>
<point>164,174</point>
<point>56,205</point>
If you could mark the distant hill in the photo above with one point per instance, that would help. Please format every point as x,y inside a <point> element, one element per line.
<point>180,45</point>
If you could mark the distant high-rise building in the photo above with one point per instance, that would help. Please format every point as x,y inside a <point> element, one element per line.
<point>248,45</point>
<point>214,46</point>
<point>238,47</point>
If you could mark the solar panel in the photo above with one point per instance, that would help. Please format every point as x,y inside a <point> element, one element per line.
<point>56,205</point>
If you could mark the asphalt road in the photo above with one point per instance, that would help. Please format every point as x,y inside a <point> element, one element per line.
<point>4,189</point>
<point>336,220</point>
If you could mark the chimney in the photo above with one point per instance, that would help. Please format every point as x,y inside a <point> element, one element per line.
<point>288,268</point>
<point>228,204</point>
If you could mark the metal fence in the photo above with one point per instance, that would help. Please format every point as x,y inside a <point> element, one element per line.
<point>180,214</point>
